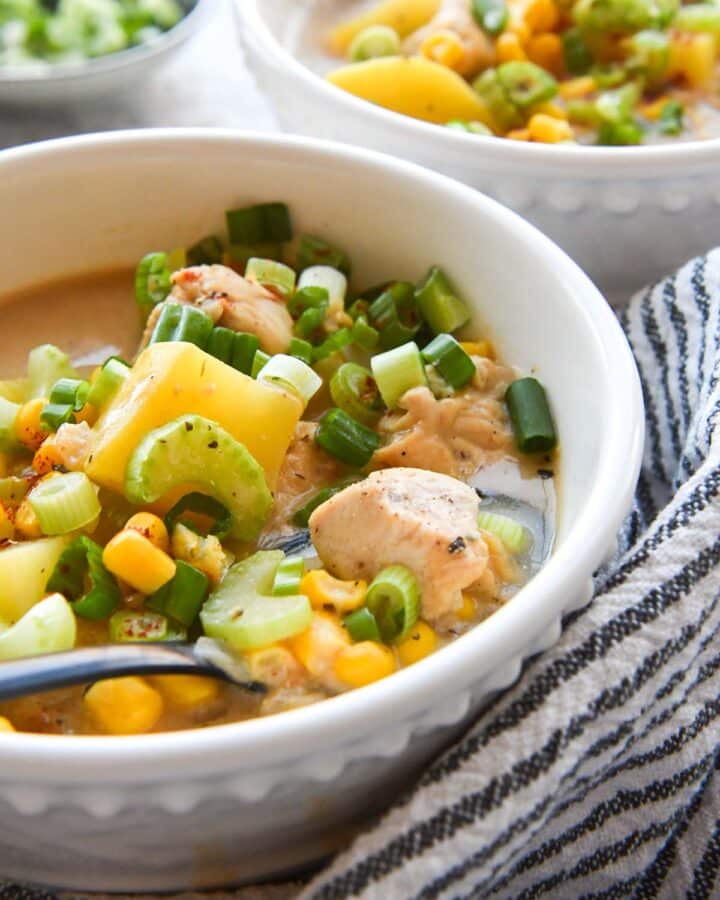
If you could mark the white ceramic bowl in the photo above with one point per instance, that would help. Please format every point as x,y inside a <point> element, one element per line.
<point>68,84</point>
<point>626,215</point>
<point>241,802</point>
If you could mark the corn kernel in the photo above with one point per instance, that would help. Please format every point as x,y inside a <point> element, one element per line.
<point>124,705</point>
<point>546,51</point>
<point>187,690</point>
<point>467,610</point>
<point>152,527</point>
<point>421,642</point>
<point>518,134</point>
<point>363,663</point>
<point>479,348</point>
<point>693,56</point>
<point>275,666</point>
<point>27,424</point>
<point>653,111</point>
<point>46,457</point>
<point>26,522</point>
<point>542,15</point>
<point>318,646</point>
<point>323,590</point>
<point>577,88</point>
<point>7,525</point>
<point>132,557</point>
<point>549,130</point>
<point>509,48</point>
<point>444,47</point>
<point>520,28</point>
<point>6,725</point>
<point>552,109</point>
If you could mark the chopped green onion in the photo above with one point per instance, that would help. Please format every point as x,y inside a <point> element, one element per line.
<point>315,251</point>
<point>301,350</point>
<point>671,118</point>
<point>108,381</point>
<point>526,84</point>
<point>578,58</point>
<point>47,627</point>
<point>362,625</point>
<point>503,111</point>
<point>491,15</point>
<point>8,415</point>
<point>270,274</point>
<point>607,76</point>
<point>291,374</point>
<point>514,536</point>
<point>364,335</point>
<point>650,55</point>
<point>182,322</point>
<point>394,314</point>
<point>288,576</point>
<point>46,365</point>
<point>356,309</point>
<point>65,503</point>
<point>221,344</point>
<point>152,280</point>
<point>206,252</point>
<point>130,627</point>
<point>245,348</point>
<point>394,599</point>
<point>334,342</point>
<point>345,439</point>
<point>530,416</point>
<point>203,505</point>
<point>619,134</point>
<point>54,415</point>
<point>333,280</point>
<point>79,565</point>
<point>373,42</point>
<point>617,106</point>
<point>262,223</point>
<point>260,360</point>
<point>70,390</point>
<point>183,596</point>
<point>397,371</point>
<point>308,298</point>
<point>302,516</point>
<point>450,360</point>
<point>441,308</point>
<point>469,127</point>
<point>310,321</point>
<point>353,389</point>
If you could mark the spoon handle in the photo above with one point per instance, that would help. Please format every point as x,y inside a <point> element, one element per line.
<point>87,664</point>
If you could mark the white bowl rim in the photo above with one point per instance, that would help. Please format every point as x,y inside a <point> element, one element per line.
<point>243,746</point>
<point>581,161</point>
<point>109,62</point>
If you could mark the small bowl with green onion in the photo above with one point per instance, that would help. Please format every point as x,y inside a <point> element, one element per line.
<point>73,50</point>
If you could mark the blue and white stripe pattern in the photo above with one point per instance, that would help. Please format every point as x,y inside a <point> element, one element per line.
<point>596,776</point>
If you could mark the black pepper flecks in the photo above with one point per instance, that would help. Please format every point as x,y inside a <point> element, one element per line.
<point>458,545</point>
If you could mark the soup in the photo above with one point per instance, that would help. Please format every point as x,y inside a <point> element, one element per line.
<point>314,474</point>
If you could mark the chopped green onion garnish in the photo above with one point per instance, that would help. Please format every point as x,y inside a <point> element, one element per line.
<point>152,280</point>
<point>671,117</point>
<point>302,516</point>
<point>364,335</point>
<point>530,416</point>
<point>394,599</point>
<point>334,342</point>
<point>353,389</point>
<point>373,42</point>
<point>308,298</point>
<point>221,344</point>
<point>291,374</point>
<point>70,390</point>
<point>203,505</point>
<point>56,414</point>
<point>273,275</point>
<point>65,503</point>
<point>450,360</point>
<point>397,371</point>
<point>182,322</point>
<point>182,597</point>
<point>619,134</point>
<point>439,305</point>
<point>206,252</point>
<point>345,439</point>
<point>526,84</point>
<point>469,127</point>
<point>288,576</point>
<point>260,360</point>
<point>362,625</point>
<point>264,222</point>
<point>491,15</point>
<point>126,626</point>
<point>245,348</point>
<point>107,382</point>
<point>301,350</point>
<point>578,58</point>
<point>513,535</point>
<point>394,314</point>
<point>314,251</point>
<point>81,565</point>
<point>310,321</point>
<point>333,280</point>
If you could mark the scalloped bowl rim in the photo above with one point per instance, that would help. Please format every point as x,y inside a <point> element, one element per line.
<point>240,746</point>
<point>633,159</point>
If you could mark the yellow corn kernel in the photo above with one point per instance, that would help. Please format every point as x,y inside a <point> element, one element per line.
<point>26,522</point>
<point>518,134</point>
<point>275,666</point>
<point>318,646</point>
<point>467,611</point>
<point>6,725</point>
<point>693,56</point>
<point>546,51</point>
<point>552,109</point>
<point>549,130</point>
<point>541,15</point>
<point>509,48</point>
<point>46,457</point>
<point>323,590</point>
<point>187,690</point>
<point>152,527</point>
<point>421,642</point>
<point>363,663</point>
<point>7,526</point>
<point>123,705</point>
<point>653,110</point>
<point>27,424</point>
<point>577,88</point>
<point>520,28</point>
<point>132,557</point>
<point>479,348</point>
<point>444,47</point>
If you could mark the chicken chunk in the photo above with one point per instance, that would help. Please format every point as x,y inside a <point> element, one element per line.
<point>456,16</point>
<point>233,301</point>
<point>419,519</point>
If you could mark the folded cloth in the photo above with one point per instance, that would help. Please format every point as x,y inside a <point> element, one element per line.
<point>596,775</point>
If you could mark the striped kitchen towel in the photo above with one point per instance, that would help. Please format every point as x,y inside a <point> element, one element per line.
<point>596,774</point>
